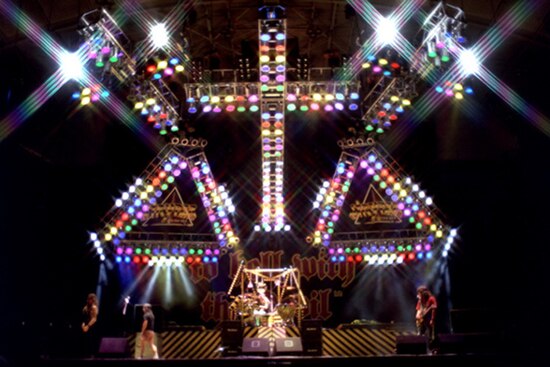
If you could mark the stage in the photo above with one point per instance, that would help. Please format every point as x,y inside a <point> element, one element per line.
<point>234,345</point>
<point>448,360</point>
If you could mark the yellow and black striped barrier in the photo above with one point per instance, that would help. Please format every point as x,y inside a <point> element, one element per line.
<point>205,344</point>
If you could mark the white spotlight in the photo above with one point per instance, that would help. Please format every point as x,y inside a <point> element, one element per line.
<point>468,62</point>
<point>386,31</point>
<point>71,65</point>
<point>159,35</point>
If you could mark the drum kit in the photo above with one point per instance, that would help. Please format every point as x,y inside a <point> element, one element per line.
<point>287,310</point>
<point>268,297</point>
<point>249,306</point>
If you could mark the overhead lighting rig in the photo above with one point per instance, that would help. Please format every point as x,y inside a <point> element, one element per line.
<point>412,204</point>
<point>443,29</point>
<point>322,95</point>
<point>118,238</point>
<point>109,57</point>
<point>218,97</point>
<point>443,41</point>
<point>272,75</point>
<point>387,101</point>
<point>106,55</point>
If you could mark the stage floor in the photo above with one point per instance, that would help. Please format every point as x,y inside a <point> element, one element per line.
<point>358,346</point>
<point>447,360</point>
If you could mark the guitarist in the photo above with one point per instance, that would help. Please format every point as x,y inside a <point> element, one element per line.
<point>426,307</point>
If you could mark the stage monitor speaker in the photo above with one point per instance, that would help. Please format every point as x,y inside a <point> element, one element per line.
<point>114,347</point>
<point>288,346</point>
<point>311,329</point>
<point>312,348</point>
<point>231,333</point>
<point>256,346</point>
<point>411,344</point>
<point>231,351</point>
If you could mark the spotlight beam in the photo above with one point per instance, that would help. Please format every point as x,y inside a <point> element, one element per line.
<point>509,22</point>
<point>31,104</point>
<point>51,85</point>
<point>514,100</point>
<point>31,29</point>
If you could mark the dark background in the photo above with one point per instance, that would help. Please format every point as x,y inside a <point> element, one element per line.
<point>485,165</point>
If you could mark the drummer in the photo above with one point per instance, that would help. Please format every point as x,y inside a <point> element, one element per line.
<point>264,303</point>
<point>263,306</point>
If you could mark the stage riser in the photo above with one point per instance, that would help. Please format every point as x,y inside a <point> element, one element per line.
<point>359,342</point>
<point>346,342</point>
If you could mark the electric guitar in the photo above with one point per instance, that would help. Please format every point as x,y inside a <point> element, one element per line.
<point>421,314</point>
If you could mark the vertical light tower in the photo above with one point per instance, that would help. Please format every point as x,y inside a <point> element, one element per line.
<point>272,71</point>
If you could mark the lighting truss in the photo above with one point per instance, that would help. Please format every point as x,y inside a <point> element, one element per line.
<point>218,97</point>
<point>244,96</point>
<point>107,47</point>
<point>151,248</point>
<point>410,201</point>
<point>443,29</point>
<point>215,199</point>
<point>386,101</point>
<point>272,66</point>
<point>155,101</point>
<point>326,95</point>
<point>109,53</point>
<point>381,247</point>
<point>280,89</point>
<point>116,238</point>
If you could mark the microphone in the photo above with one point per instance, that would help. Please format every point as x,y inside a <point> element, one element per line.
<point>126,301</point>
